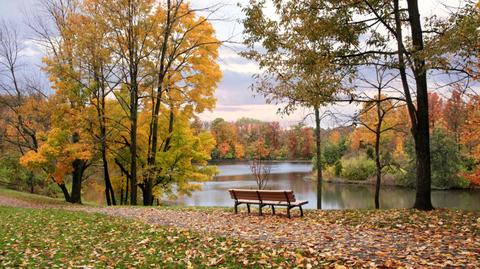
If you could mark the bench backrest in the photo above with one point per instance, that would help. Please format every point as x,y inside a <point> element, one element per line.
<point>264,195</point>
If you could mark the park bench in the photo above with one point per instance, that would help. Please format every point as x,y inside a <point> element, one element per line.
<point>264,198</point>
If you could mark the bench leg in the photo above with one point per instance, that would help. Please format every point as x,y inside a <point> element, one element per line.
<point>273,210</point>
<point>236,209</point>
<point>288,212</point>
<point>260,209</point>
<point>248,208</point>
<point>301,211</point>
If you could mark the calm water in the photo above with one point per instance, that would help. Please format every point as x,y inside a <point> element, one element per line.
<point>295,176</point>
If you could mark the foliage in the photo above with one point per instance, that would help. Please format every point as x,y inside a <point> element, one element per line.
<point>185,161</point>
<point>333,152</point>
<point>241,139</point>
<point>359,168</point>
<point>56,154</point>
<point>338,168</point>
<point>470,137</point>
<point>96,240</point>
<point>446,161</point>
<point>215,237</point>
<point>15,176</point>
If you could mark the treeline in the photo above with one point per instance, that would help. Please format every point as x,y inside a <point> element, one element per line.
<point>245,138</point>
<point>454,146</point>
<point>127,79</point>
<point>348,151</point>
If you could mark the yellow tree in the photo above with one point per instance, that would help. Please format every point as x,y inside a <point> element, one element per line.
<point>377,120</point>
<point>23,104</point>
<point>185,73</point>
<point>130,26</point>
<point>69,103</point>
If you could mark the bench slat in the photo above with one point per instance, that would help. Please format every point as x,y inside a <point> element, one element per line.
<point>270,195</point>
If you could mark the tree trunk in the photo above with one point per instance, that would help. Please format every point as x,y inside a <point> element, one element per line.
<point>101,111</point>
<point>421,134</point>
<point>133,142</point>
<point>109,193</point>
<point>147,193</point>
<point>127,182</point>
<point>124,198</point>
<point>133,65</point>
<point>319,158</point>
<point>65,192</point>
<point>378,165</point>
<point>77,174</point>
<point>30,181</point>
<point>378,133</point>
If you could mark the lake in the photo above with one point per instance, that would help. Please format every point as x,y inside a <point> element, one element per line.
<point>296,176</point>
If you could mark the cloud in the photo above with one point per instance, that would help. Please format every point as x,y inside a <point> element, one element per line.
<point>231,61</point>
<point>264,112</point>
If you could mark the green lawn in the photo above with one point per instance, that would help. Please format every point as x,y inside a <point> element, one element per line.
<point>58,238</point>
<point>60,235</point>
<point>29,197</point>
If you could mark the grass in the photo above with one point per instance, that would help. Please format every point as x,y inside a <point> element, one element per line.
<point>53,238</point>
<point>30,197</point>
<point>58,238</point>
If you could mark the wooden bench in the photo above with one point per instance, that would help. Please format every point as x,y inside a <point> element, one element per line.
<point>264,198</point>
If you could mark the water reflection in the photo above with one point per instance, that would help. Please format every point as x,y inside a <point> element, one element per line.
<point>295,176</point>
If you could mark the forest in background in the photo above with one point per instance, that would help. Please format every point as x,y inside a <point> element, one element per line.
<point>348,151</point>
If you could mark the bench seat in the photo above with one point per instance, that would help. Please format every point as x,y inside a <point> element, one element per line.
<point>264,198</point>
<point>296,203</point>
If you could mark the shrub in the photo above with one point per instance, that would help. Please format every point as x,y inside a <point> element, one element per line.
<point>359,168</point>
<point>332,153</point>
<point>446,162</point>
<point>338,168</point>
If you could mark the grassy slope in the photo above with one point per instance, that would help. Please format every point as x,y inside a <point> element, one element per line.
<point>58,238</point>
<point>61,238</point>
<point>33,198</point>
<point>55,238</point>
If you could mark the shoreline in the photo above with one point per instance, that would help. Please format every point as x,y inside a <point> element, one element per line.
<point>387,183</point>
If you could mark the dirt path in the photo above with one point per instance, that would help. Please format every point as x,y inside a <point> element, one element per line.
<point>368,238</point>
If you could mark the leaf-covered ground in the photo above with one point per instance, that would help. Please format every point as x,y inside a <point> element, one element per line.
<point>216,237</point>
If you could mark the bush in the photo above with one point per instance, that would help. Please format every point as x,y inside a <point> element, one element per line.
<point>446,162</point>
<point>338,168</point>
<point>15,176</point>
<point>359,168</point>
<point>332,153</point>
<point>314,163</point>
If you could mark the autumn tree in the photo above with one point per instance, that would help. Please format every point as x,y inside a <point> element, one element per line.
<point>377,122</point>
<point>225,135</point>
<point>469,136</point>
<point>258,164</point>
<point>71,99</point>
<point>418,49</point>
<point>435,109</point>
<point>24,111</point>
<point>296,58</point>
<point>454,113</point>
<point>131,25</point>
<point>185,74</point>
<point>83,61</point>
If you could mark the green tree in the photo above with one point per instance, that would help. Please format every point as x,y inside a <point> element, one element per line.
<point>297,57</point>
<point>446,161</point>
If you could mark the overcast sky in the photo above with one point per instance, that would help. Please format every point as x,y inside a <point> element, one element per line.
<point>234,98</point>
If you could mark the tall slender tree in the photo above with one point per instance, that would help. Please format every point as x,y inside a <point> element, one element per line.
<point>297,58</point>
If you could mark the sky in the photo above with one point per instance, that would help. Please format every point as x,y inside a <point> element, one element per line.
<point>235,99</point>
